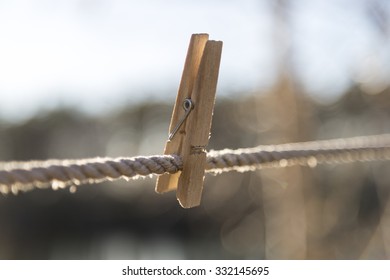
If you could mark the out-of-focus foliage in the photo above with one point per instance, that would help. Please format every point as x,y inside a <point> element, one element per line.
<point>335,212</point>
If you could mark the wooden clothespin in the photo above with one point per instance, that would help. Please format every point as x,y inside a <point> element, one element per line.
<point>191,120</point>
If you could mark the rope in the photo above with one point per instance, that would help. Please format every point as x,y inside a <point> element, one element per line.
<point>24,176</point>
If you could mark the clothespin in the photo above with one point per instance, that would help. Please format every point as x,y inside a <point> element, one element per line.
<point>191,120</point>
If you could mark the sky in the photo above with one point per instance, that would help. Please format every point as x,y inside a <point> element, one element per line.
<point>96,55</point>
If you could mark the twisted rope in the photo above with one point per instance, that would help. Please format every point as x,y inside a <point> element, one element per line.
<point>24,176</point>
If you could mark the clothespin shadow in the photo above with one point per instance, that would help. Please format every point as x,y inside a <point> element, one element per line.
<point>189,130</point>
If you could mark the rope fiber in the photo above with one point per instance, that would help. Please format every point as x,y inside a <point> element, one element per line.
<point>25,176</point>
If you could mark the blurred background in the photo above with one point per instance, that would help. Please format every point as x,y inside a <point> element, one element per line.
<point>85,78</point>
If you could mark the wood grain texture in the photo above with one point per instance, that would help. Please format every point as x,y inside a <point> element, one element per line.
<point>197,127</point>
<point>168,182</point>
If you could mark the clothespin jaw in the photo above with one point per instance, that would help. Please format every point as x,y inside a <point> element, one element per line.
<point>190,125</point>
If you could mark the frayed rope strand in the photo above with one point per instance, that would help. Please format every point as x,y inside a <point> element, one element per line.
<point>24,176</point>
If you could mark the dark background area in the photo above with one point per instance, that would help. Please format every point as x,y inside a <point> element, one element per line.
<point>327,212</point>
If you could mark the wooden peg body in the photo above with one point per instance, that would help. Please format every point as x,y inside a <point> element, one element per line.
<point>168,182</point>
<point>199,83</point>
